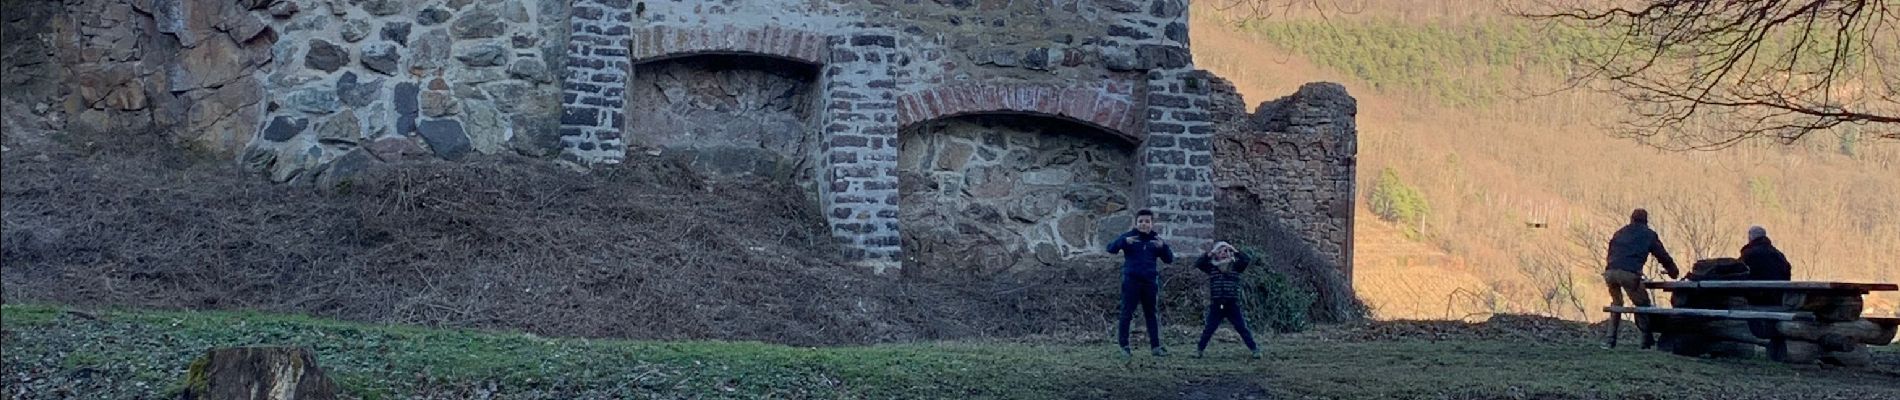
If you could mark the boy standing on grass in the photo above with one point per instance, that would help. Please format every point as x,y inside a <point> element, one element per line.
<point>1223,266</point>
<point>1141,284</point>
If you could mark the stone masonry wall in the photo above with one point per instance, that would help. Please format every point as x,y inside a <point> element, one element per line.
<point>313,90</point>
<point>988,193</point>
<point>1295,158</point>
<point>888,65</point>
<point>365,80</point>
<point>301,90</point>
<point>743,116</point>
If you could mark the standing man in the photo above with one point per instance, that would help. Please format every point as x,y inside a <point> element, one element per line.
<point>1141,283</point>
<point>1629,250</point>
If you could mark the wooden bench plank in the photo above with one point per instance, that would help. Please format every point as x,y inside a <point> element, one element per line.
<point>1706,313</point>
<point>1772,286</point>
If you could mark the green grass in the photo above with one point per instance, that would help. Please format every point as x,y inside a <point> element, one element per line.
<point>151,349</point>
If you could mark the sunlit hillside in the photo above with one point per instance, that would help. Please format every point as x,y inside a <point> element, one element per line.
<point>1449,110</point>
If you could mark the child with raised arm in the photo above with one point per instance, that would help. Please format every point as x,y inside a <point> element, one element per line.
<point>1223,266</point>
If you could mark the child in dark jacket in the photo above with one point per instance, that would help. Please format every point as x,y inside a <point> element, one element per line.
<point>1223,266</point>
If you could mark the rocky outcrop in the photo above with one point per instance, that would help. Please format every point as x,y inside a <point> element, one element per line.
<point>185,68</point>
<point>257,373</point>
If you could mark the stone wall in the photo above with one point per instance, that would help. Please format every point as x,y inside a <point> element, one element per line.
<point>365,80</point>
<point>889,66</point>
<point>730,116</point>
<point>825,93</point>
<point>300,90</point>
<point>997,192</point>
<point>1295,158</point>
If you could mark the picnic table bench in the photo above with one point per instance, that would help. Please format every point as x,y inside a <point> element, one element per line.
<point>1798,322</point>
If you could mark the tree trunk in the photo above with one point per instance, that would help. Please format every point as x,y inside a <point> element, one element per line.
<point>1800,330</point>
<point>1856,356</point>
<point>1828,307</point>
<point>1857,331</point>
<point>1802,352</point>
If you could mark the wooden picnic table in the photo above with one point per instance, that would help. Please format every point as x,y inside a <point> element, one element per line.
<point>1787,286</point>
<point>1798,322</point>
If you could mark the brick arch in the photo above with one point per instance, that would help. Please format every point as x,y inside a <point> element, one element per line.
<point>1099,108</point>
<point>660,43</point>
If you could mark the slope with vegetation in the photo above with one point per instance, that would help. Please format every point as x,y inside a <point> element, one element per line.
<point>1468,146</point>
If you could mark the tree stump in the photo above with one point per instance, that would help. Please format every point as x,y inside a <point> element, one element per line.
<point>257,373</point>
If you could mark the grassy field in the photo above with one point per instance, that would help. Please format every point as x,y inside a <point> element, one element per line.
<point>53,352</point>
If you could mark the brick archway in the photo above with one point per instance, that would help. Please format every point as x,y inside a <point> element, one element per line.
<point>1100,108</point>
<point>660,43</point>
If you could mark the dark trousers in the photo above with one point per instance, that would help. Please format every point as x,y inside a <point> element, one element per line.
<point>1226,310</point>
<point>1143,291</point>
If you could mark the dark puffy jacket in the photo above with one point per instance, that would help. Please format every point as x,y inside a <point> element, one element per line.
<point>1223,285</point>
<point>1631,247</point>
<point>1765,262</point>
<point>1138,258</point>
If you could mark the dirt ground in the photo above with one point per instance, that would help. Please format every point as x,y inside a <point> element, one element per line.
<point>645,249</point>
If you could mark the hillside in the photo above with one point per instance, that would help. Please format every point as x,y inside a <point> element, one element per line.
<point>1445,106</point>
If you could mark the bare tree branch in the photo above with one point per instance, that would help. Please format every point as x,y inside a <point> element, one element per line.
<point>1708,74</point>
<point>1261,9</point>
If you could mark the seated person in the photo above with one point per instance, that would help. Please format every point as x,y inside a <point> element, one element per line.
<point>1765,262</point>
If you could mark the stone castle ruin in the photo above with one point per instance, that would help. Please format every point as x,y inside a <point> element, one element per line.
<point>929,132</point>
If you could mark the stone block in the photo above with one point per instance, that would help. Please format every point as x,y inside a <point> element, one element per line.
<point>354,30</point>
<point>282,128</point>
<point>445,137</point>
<point>314,100</point>
<point>396,32</point>
<point>432,16</point>
<point>354,93</point>
<point>483,54</point>
<point>479,23</point>
<point>383,58</point>
<point>383,7</point>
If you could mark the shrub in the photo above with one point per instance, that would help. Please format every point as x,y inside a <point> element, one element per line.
<point>1392,200</point>
<point>1274,301</point>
